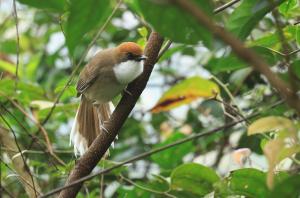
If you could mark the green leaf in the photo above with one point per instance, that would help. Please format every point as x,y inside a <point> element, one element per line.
<point>238,77</point>
<point>248,182</point>
<point>69,92</point>
<point>296,68</point>
<point>287,188</point>
<point>8,46</point>
<point>185,92</point>
<point>174,23</point>
<point>60,110</point>
<point>132,192</point>
<point>298,35</point>
<point>268,40</point>
<point>287,6</point>
<point>55,5</point>
<point>232,62</point>
<point>84,16</point>
<point>265,53</point>
<point>26,91</point>
<point>166,159</point>
<point>246,16</point>
<point>194,178</point>
<point>271,123</point>
<point>158,184</point>
<point>225,64</point>
<point>9,67</point>
<point>31,67</point>
<point>275,151</point>
<point>271,40</point>
<point>183,194</point>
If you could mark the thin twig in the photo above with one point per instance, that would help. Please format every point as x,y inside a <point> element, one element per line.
<point>18,175</point>
<point>18,43</point>
<point>231,108</point>
<point>33,137</point>
<point>45,133</point>
<point>6,191</point>
<point>294,52</point>
<point>22,156</point>
<point>225,6</point>
<point>43,130</point>
<point>37,152</point>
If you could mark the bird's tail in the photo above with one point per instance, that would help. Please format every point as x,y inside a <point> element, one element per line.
<point>88,124</point>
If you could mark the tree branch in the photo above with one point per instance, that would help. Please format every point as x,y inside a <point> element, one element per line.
<point>101,144</point>
<point>242,52</point>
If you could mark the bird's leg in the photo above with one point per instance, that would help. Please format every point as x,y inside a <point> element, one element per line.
<point>101,122</point>
<point>126,91</point>
<point>103,128</point>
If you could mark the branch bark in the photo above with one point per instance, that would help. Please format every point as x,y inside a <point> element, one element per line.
<point>101,144</point>
<point>242,52</point>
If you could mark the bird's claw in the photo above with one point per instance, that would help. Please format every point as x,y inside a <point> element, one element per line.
<point>104,129</point>
<point>128,92</point>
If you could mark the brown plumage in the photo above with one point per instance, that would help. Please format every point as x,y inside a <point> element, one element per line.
<point>104,77</point>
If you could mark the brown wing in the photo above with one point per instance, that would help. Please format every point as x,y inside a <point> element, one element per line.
<point>91,71</point>
<point>86,78</point>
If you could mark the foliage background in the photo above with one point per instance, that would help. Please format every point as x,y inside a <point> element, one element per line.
<point>52,38</point>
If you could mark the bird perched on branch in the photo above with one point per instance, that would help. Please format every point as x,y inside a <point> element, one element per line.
<point>104,77</point>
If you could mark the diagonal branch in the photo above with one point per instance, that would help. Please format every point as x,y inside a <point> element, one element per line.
<point>89,160</point>
<point>242,52</point>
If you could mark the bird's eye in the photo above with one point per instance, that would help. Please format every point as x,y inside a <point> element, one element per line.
<point>130,56</point>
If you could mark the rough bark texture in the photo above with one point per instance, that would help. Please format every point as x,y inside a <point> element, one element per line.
<point>89,160</point>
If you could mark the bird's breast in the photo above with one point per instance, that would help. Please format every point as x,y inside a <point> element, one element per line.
<point>127,71</point>
<point>112,82</point>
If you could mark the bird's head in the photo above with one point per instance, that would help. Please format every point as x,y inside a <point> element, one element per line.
<point>130,51</point>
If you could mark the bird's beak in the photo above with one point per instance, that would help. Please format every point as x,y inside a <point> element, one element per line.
<point>140,58</point>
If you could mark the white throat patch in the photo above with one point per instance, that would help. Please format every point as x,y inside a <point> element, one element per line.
<point>128,71</point>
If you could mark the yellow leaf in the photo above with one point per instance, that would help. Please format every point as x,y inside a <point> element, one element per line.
<point>185,92</point>
<point>276,151</point>
<point>271,123</point>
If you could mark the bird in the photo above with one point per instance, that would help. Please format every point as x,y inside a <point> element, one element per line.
<point>105,76</point>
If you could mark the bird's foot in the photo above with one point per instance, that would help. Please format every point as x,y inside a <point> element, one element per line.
<point>128,92</point>
<point>104,129</point>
